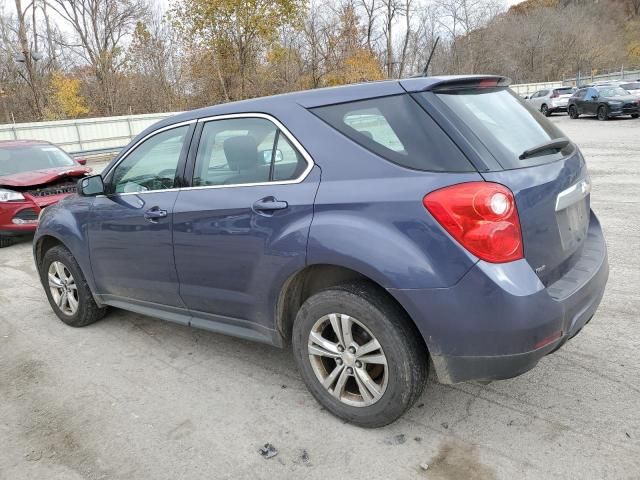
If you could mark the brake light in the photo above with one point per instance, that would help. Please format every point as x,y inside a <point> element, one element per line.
<point>488,83</point>
<point>555,95</point>
<point>482,217</point>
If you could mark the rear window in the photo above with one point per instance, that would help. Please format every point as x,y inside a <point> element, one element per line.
<point>506,125</point>
<point>397,129</point>
<point>631,86</point>
<point>564,91</point>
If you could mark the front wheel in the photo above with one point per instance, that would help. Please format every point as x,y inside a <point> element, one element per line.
<point>635,115</point>
<point>603,114</point>
<point>573,112</point>
<point>359,355</point>
<point>67,290</point>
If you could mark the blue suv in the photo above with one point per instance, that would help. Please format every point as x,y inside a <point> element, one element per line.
<point>383,230</point>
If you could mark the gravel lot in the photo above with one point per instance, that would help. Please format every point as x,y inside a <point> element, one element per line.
<point>132,397</point>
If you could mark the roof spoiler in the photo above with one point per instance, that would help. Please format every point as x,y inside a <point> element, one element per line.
<point>472,82</point>
<point>454,82</point>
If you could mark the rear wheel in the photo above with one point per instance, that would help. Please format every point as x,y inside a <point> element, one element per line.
<point>603,113</point>
<point>359,355</point>
<point>573,112</point>
<point>67,290</point>
<point>544,109</point>
<point>635,115</point>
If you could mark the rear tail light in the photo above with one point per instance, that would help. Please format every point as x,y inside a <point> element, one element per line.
<point>555,95</point>
<point>482,217</point>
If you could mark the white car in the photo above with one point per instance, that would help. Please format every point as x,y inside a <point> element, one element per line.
<point>632,87</point>
<point>551,100</point>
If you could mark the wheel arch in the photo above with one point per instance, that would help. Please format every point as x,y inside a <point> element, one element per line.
<point>314,278</point>
<point>46,241</point>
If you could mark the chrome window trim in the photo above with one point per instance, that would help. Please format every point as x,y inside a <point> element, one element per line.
<point>296,144</point>
<point>227,116</point>
<point>143,139</point>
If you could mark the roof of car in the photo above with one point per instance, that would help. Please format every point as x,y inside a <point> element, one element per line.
<point>324,96</point>
<point>21,143</point>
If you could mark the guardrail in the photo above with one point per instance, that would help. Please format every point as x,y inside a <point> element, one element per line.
<point>87,136</point>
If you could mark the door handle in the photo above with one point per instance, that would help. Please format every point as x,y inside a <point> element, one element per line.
<point>154,213</point>
<point>268,205</point>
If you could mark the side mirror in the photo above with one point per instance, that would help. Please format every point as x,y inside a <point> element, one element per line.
<point>526,97</point>
<point>81,161</point>
<point>91,186</point>
<point>594,96</point>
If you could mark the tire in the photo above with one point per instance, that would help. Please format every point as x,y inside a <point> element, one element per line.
<point>86,311</point>
<point>635,115</point>
<point>603,114</point>
<point>573,112</point>
<point>544,109</point>
<point>6,241</point>
<point>398,384</point>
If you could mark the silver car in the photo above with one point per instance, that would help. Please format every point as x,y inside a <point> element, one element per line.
<point>631,86</point>
<point>551,100</point>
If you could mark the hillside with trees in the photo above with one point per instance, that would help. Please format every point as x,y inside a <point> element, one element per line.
<point>77,58</point>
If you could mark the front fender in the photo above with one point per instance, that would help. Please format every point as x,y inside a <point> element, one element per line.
<point>66,222</point>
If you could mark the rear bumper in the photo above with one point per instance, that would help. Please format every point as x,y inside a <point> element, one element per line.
<point>499,320</point>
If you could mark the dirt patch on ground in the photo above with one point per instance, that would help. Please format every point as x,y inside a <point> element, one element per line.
<point>456,460</point>
<point>47,431</point>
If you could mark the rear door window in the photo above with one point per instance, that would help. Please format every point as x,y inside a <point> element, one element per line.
<point>506,125</point>
<point>242,151</point>
<point>397,129</point>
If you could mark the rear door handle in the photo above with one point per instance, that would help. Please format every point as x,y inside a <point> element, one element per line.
<point>154,213</point>
<point>268,205</point>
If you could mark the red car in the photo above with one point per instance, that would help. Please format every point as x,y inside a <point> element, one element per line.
<point>33,175</point>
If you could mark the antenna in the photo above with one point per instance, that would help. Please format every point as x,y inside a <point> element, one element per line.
<point>426,67</point>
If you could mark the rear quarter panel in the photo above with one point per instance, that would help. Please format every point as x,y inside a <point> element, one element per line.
<point>369,215</point>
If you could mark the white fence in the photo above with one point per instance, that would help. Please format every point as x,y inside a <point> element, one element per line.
<point>84,135</point>
<point>526,89</point>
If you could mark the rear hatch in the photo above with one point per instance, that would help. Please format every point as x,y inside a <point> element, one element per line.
<point>525,152</point>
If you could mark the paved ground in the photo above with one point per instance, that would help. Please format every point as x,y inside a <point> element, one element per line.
<point>131,397</point>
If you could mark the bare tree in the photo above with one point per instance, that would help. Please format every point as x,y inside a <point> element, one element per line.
<point>391,10</point>
<point>100,28</point>
<point>28,54</point>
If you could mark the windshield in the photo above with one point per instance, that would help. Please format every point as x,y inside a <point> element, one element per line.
<point>631,86</point>
<point>33,157</point>
<point>506,125</point>
<point>612,92</point>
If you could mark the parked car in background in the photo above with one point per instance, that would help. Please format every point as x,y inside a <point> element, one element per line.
<point>375,227</point>
<point>550,101</point>
<point>604,101</point>
<point>633,87</point>
<point>33,175</point>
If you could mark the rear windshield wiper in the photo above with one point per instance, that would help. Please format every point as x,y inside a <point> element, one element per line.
<point>553,145</point>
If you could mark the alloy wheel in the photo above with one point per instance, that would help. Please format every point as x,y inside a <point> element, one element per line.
<point>602,113</point>
<point>573,113</point>
<point>348,360</point>
<point>64,290</point>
